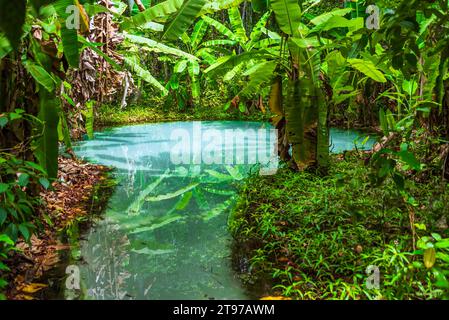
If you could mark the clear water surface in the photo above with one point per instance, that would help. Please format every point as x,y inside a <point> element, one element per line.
<point>164,234</point>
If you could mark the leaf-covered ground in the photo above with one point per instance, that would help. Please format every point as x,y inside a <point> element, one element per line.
<point>67,203</point>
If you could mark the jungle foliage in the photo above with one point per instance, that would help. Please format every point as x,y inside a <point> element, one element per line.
<point>304,64</point>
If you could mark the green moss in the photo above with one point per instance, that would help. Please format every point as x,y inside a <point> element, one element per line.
<point>108,115</point>
<point>316,236</point>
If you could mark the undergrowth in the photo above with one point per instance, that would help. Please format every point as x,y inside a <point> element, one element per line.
<point>322,237</point>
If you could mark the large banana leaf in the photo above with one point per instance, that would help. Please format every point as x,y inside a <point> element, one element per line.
<point>162,9</point>
<point>288,15</point>
<point>47,145</point>
<point>183,19</point>
<point>226,63</point>
<point>257,31</point>
<point>326,16</point>
<point>266,43</point>
<point>194,70</point>
<point>158,47</point>
<point>261,74</point>
<point>339,22</point>
<point>199,31</point>
<point>237,24</point>
<point>368,69</point>
<point>69,36</point>
<point>205,54</point>
<point>213,6</point>
<point>144,74</point>
<point>221,28</point>
<point>302,115</point>
<point>259,5</point>
<point>41,76</point>
<point>231,74</point>
<point>94,47</point>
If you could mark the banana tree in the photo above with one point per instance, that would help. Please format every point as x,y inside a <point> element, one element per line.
<point>300,113</point>
<point>189,70</point>
<point>47,46</point>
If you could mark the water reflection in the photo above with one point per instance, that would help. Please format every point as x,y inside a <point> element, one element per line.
<point>165,235</point>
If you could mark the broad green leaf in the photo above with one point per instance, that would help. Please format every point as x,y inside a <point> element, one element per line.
<point>47,150</point>
<point>194,70</point>
<point>234,172</point>
<point>44,182</point>
<point>180,66</point>
<point>184,201</point>
<point>259,5</point>
<point>237,24</point>
<point>94,48</point>
<point>442,244</point>
<point>41,76</point>
<point>158,47</point>
<point>339,22</point>
<point>198,33</point>
<point>24,231</point>
<point>221,28</point>
<point>218,175</point>
<point>215,6</point>
<point>5,46</point>
<point>24,179</point>
<point>262,74</point>
<point>288,15</point>
<point>69,36</point>
<point>183,19</point>
<point>162,9</point>
<point>258,29</point>
<point>5,239</point>
<point>145,75</point>
<point>3,121</point>
<point>368,69</point>
<point>326,16</point>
